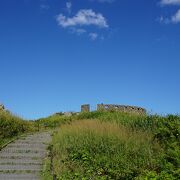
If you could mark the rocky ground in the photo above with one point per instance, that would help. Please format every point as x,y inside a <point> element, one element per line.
<point>23,158</point>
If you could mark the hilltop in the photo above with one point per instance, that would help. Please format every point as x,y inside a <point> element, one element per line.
<point>110,143</point>
<point>114,145</point>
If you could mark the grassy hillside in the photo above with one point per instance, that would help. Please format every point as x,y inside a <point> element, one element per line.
<point>53,121</point>
<point>113,145</point>
<point>11,126</point>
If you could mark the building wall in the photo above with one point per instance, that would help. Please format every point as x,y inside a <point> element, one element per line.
<point>121,108</point>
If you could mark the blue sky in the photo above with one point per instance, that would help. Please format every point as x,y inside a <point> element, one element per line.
<point>56,55</point>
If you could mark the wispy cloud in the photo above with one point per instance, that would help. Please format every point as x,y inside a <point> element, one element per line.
<point>103,1</point>
<point>68,7</point>
<point>78,31</point>
<point>93,36</point>
<point>164,20</point>
<point>84,17</point>
<point>44,7</point>
<point>176,18</point>
<point>170,2</point>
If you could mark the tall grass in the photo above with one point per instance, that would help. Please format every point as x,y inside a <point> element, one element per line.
<point>115,145</point>
<point>143,122</point>
<point>92,149</point>
<point>128,119</point>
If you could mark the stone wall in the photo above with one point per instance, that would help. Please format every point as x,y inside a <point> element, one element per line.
<point>121,108</point>
<point>85,108</point>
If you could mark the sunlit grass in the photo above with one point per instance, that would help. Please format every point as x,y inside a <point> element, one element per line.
<point>92,148</point>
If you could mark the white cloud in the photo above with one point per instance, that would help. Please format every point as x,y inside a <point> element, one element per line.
<point>93,36</point>
<point>84,17</point>
<point>176,17</point>
<point>69,6</point>
<point>170,2</point>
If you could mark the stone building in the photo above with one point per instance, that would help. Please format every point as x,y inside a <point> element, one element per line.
<point>121,108</point>
<point>85,108</point>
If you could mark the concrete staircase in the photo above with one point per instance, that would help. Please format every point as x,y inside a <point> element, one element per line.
<point>23,158</point>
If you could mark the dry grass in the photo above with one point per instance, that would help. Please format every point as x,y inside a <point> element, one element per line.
<point>104,129</point>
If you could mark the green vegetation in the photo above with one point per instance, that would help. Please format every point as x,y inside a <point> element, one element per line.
<point>12,126</point>
<point>53,121</point>
<point>105,145</point>
<point>114,145</point>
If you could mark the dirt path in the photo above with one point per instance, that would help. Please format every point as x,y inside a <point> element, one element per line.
<point>22,159</point>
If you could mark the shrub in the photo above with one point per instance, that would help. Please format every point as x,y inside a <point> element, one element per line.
<point>11,125</point>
